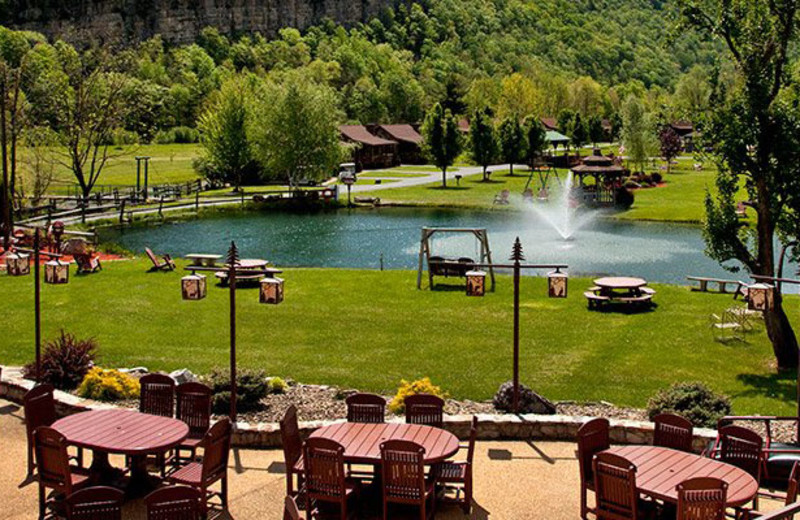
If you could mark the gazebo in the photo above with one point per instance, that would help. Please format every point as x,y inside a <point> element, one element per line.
<point>607,175</point>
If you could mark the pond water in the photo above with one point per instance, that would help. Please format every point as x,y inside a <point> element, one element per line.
<point>360,238</point>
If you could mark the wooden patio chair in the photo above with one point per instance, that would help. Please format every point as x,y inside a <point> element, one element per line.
<point>366,408</point>
<point>95,503</point>
<point>459,474</point>
<point>615,488</point>
<point>502,197</point>
<point>54,471</point>
<point>792,490</point>
<point>292,450</point>
<point>425,409</point>
<point>404,480</point>
<point>157,396</point>
<point>290,509</point>
<point>702,498</point>
<point>214,467</point>
<point>40,410</point>
<point>174,503</point>
<point>167,264</point>
<point>593,437</point>
<point>742,448</point>
<point>192,406</point>
<point>87,262</point>
<point>326,481</point>
<point>673,431</point>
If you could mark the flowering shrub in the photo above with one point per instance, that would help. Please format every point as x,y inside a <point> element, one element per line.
<point>108,385</point>
<point>420,386</point>
<point>65,361</point>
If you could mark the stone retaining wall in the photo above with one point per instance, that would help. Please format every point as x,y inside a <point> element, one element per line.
<point>490,426</point>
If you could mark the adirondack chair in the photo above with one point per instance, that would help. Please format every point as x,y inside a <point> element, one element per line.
<point>166,265</point>
<point>502,197</point>
<point>88,262</point>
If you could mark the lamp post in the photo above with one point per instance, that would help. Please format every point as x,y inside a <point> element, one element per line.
<point>557,288</point>
<point>194,288</point>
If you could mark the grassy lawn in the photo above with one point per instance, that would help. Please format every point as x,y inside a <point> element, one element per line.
<point>369,329</point>
<point>372,174</point>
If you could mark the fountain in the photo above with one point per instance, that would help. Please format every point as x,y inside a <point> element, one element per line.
<point>561,214</point>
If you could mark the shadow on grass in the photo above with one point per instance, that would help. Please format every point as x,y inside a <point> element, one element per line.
<point>781,385</point>
<point>440,287</point>
<point>622,308</point>
<point>449,188</point>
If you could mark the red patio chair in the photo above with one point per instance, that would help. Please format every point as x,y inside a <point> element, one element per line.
<point>174,503</point>
<point>365,408</point>
<point>615,488</point>
<point>40,410</point>
<point>460,473</point>
<point>95,503</point>
<point>192,406</point>
<point>702,498</point>
<point>292,450</point>
<point>157,396</point>
<point>742,448</point>
<point>593,437</point>
<point>214,468</point>
<point>167,264</point>
<point>425,409</point>
<point>53,469</point>
<point>404,481</point>
<point>673,431</point>
<point>87,262</point>
<point>326,481</point>
<point>792,489</point>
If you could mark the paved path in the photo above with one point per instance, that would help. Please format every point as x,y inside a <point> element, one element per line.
<point>430,178</point>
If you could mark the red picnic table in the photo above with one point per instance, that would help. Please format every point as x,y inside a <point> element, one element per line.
<point>660,470</point>
<point>362,441</point>
<point>123,432</point>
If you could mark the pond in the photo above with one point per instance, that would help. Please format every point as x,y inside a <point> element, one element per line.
<point>365,238</point>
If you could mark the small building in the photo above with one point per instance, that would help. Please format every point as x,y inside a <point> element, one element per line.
<point>608,175</point>
<point>371,151</point>
<point>685,130</point>
<point>549,123</point>
<point>409,141</point>
<point>463,126</point>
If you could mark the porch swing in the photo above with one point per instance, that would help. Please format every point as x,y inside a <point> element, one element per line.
<point>453,267</point>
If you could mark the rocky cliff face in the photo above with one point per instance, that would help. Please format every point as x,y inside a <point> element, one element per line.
<point>178,21</point>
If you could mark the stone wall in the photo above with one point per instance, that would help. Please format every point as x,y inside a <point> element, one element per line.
<point>180,21</point>
<point>490,427</point>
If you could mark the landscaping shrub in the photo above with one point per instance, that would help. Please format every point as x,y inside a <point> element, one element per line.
<point>656,177</point>
<point>529,401</point>
<point>624,198</point>
<point>251,388</point>
<point>108,385</point>
<point>695,401</point>
<point>65,361</point>
<point>420,386</point>
<point>277,385</point>
<point>178,135</point>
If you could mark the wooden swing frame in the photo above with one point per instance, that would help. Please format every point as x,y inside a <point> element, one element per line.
<point>425,251</point>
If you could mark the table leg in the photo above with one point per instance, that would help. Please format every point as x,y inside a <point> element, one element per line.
<point>140,482</point>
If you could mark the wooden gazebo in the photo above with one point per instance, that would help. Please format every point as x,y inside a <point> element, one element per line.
<point>607,175</point>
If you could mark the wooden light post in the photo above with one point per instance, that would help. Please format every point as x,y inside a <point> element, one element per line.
<point>231,270</point>
<point>517,257</point>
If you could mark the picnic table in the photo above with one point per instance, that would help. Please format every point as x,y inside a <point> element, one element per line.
<point>203,260</point>
<point>123,432</point>
<point>660,470</point>
<point>249,264</point>
<point>619,289</point>
<point>362,441</point>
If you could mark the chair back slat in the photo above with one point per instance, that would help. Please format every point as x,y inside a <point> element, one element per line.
<point>193,406</point>
<point>40,408</point>
<point>95,503</point>
<point>702,499</point>
<point>473,437</point>
<point>615,487</point>
<point>593,437</point>
<point>174,503</point>
<point>425,409</point>
<point>157,396</point>
<point>403,467</point>
<point>324,469</point>
<point>366,408</point>
<point>673,431</point>
<point>216,449</point>
<point>52,459</point>
<point>741,447</point>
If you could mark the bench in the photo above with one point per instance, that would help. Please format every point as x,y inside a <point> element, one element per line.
<point>722,285</point>
<point>645,298</point>
<point>595,300</point>
<point>648,291</point>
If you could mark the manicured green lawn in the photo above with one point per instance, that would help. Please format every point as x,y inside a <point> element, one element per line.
<point>369,329</point>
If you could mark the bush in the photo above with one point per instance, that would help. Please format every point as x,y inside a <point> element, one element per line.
<point>624,198</point>
<point>277,385</point>
<point>420,386</point>
<point>656,177</point>
<point>178,135</point>
<point>251,388</point>
<point>695,401</point>
<point>108,385</point>
<point>65,361</point>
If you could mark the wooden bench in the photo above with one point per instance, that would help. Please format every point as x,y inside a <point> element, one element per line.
<point>648,291</point>
<point>645,298</point>
<point>722,285</point>
<point>595,300</point>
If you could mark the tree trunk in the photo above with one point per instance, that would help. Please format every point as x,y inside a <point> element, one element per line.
<point>781,334</point>
<point>511,169</point>
<point>485,177</point>
<point>444,177</point>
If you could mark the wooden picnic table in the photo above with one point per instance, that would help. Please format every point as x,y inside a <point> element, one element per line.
<point>660,470</point>
<point>201,259</point>
<point>362,441</point>
<point>619,289</point>
<point>249,264</point>
<point>123,432</point>
<point>620,283</point>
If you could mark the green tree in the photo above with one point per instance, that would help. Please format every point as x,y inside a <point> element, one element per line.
<point>512,142</point>
<point>753,133</point>
<point>596,131</point>
<point>536,139</point>
<point>294,131</point>
<point>578,132</point>
<point>442,139</point>
<point>637,132</point>
<point>223,134</point>
<point>484,146</point>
